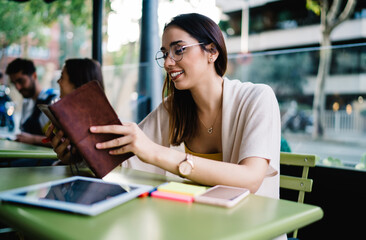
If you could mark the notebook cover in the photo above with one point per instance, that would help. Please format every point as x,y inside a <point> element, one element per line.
<point>85,107</point>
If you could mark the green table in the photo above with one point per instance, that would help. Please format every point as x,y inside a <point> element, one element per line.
<point>255,217</point>
<point>13,149</point>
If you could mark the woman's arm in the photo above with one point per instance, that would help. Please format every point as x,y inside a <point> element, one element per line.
<point>249,173</point>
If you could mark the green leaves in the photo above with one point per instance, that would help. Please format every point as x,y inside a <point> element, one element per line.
<point>19,19</point>
<point>314,6</point>
<point>362,163</point>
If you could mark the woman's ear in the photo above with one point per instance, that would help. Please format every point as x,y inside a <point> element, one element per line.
<point>212,52</point>
<point>211,48</point>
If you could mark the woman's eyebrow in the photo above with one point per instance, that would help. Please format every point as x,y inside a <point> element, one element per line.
<point>172,44</point>
<point>175,43</point>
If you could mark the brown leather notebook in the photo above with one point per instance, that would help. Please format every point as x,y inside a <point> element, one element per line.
<point>85,107</point>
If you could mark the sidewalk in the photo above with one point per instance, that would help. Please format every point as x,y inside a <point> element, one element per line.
<point>358,139</point>
<point>349,148</point>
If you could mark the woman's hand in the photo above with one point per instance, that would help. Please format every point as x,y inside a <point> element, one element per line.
<point>59,143</point>
<point>133,140</point>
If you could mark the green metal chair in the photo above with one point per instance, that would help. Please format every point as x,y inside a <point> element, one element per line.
<point>301,184</point>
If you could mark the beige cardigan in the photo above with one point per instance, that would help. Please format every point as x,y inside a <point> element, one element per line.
<point>250,127</point>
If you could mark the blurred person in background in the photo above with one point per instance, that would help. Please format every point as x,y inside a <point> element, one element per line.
<point>75,73</point>
<point>33,122</point>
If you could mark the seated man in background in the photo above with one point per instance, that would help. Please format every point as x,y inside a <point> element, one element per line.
<point>33,123</point>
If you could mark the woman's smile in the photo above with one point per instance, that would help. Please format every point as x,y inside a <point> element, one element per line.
<point>175,74</point>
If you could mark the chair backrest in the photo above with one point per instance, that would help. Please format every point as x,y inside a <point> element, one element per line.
<point>301,184</point>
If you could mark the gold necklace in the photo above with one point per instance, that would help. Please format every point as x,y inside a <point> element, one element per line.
<point>210,129</point>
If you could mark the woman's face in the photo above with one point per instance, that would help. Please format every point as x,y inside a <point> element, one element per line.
<point>66,87</point>
<point>193,67</point>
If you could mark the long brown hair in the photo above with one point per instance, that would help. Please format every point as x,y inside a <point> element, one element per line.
<point>183,118</point>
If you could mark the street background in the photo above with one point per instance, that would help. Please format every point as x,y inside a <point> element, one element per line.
<point>347,147</point>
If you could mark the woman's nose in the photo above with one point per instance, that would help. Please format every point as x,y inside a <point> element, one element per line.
<point>169,61</point>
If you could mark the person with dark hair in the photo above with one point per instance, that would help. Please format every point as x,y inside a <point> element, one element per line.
<point>75,73</point>
<point>33,123</point>
<point>78,71</point>
<point>208,129</point>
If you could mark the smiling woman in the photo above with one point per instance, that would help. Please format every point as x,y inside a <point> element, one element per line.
<point>223,132</point>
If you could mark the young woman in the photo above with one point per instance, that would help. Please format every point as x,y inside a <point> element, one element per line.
<point>78,71</point>
<point>208,129</point>
<point>75,73</point>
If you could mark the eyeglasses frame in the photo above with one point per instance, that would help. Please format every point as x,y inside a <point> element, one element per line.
<point>170,55</point>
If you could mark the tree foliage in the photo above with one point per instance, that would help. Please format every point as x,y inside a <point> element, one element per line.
<point>20,19</point>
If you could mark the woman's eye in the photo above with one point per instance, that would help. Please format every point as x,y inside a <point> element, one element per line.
<point>165,55</point>
<point>179,51</point>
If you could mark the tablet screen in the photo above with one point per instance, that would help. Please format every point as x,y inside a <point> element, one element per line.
<point>89,196</point>
<point>78,191</point>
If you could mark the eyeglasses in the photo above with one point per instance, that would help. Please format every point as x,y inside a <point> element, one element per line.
<point>175,53</point>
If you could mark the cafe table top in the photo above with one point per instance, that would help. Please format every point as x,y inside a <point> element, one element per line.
<point>13,149</point>
<point>255,217</point>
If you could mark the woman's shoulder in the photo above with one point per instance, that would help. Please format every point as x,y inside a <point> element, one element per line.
<point>237,87</point>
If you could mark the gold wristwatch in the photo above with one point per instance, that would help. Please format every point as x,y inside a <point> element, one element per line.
<point>186,166</point>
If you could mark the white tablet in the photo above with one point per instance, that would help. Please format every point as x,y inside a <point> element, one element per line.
<point>83,195</point>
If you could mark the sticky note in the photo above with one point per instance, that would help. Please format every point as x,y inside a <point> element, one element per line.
<point>172,196</point>
<point>182,188</point>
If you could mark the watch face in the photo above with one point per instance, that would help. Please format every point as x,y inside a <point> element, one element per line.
<point>185,168</point>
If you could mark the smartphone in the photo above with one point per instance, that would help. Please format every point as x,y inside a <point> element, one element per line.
<point>224,196</point>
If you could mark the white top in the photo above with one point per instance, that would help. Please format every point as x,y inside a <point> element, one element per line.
<point>250,128</point>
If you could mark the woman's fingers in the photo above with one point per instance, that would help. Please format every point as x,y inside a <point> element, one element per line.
<point>49,131</point>
<point>63,152</point>
<point>62,148</point>
<point>127,130</point>
<point>57,139</point>
<point>117,142</point>
<point>120,150</point>
<point>126,142</point>
<point>115,129</point>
